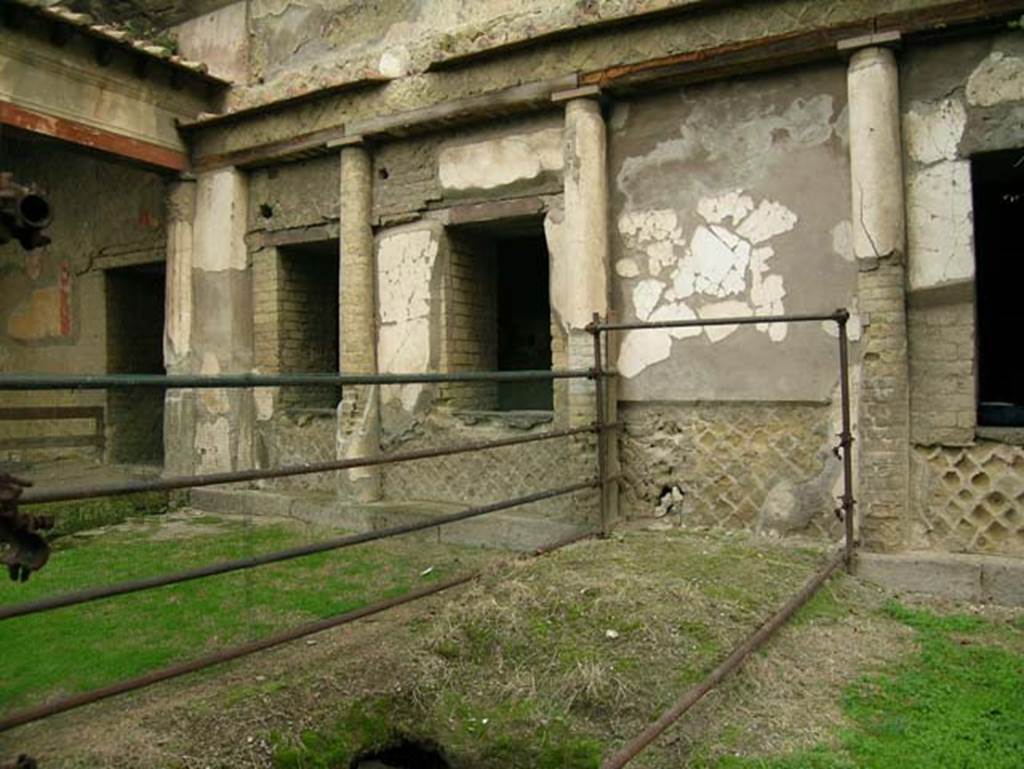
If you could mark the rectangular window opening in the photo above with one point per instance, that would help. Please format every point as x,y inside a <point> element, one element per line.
<point>308,322</point>
<point>998,190</point>
<point>499,314</point>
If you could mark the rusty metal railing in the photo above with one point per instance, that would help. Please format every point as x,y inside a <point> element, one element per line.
<point>844,556</point>
<point>89,491</point>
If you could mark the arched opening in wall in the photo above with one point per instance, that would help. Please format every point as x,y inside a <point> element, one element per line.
<point>403,753</point>
<point>135,328</point>
<point>998,191</point>
<point>498,312</point>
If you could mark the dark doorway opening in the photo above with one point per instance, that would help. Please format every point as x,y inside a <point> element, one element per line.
<point>135,330</point>
<point>499,313</point>
<point>308,321</point>
<point>998,189</point>
<point>524,321</point>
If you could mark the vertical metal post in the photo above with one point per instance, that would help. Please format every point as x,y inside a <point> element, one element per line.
<point>846,437</point>
<point>601,423</point>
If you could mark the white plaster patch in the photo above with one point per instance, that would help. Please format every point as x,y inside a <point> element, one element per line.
<point>641,349</point>
<point>676,311</point>
<point>394,62</point>
<point>719,268</point>
<point>499,162</point>
<point>999,78</point>
<point>939,229</point>
<point>627,268</point>
<point>933,132</point>
<point>842,240</point>
<point>770,219</point>
<point>646,294</point>
<point>722,260</point>
<point>405,265</point>
<point>727,309</point>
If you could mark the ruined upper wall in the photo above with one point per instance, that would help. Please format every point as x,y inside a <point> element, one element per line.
<point>433,51</point>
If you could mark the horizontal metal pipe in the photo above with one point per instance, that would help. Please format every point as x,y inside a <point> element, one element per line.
<point>693,695</point>
<point>746,320</point>
<point>19,718</point>
<point>90,491</point>
<point>108,381</point>
<point>28,715</point>
<point>225,567</point>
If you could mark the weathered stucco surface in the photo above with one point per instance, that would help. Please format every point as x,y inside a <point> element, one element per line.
<point>732,200</point>
<point>408,281</point>
<point>959,98</point>
<point>299,43</point>
<point>53,313</point>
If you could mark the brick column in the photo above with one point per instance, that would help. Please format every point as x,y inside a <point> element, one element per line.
<point>359,410</point>
<point>876,171</point>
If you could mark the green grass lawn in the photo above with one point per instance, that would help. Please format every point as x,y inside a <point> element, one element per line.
<point>957,703</point>
<point>82,647</point>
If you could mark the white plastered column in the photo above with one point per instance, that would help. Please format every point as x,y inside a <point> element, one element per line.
<point>359,410</point>
<point>876,157</point>
<point>222,320</point>
<point>580,270</point>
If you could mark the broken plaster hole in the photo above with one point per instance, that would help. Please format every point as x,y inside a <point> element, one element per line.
<point>403,753</point>
<point>670,500</point>
<point>266,210</point>
<point>383,173</point>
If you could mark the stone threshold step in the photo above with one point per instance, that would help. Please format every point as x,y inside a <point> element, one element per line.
<point>961,577</point>
<point>500,530</point>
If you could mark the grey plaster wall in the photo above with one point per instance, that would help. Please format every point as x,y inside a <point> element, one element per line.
<point>732,199</point>
<point>52,300</point>
<point>290,195</point>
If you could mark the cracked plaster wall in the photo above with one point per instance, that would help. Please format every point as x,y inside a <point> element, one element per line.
<point>52,299</point>
<point>732,199</point>
<point>958,99</point>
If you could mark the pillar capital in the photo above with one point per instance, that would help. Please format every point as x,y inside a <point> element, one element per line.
<point>585,92</point>
<point>882,40</point>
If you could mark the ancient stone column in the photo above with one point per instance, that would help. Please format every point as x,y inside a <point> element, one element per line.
<point>580,284</point>
<point>222,320</point>
<point>179,405</point>
<point>359,411</point>
<point>876,170</point>
<point>579,279</point>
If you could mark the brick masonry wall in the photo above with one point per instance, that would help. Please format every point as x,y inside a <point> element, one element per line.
<point>969,498</point>
<point>883,438</point>
<point>470,295</point>
<point>942,370</point>
<point>494,475</point>
<point>730,460</point>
